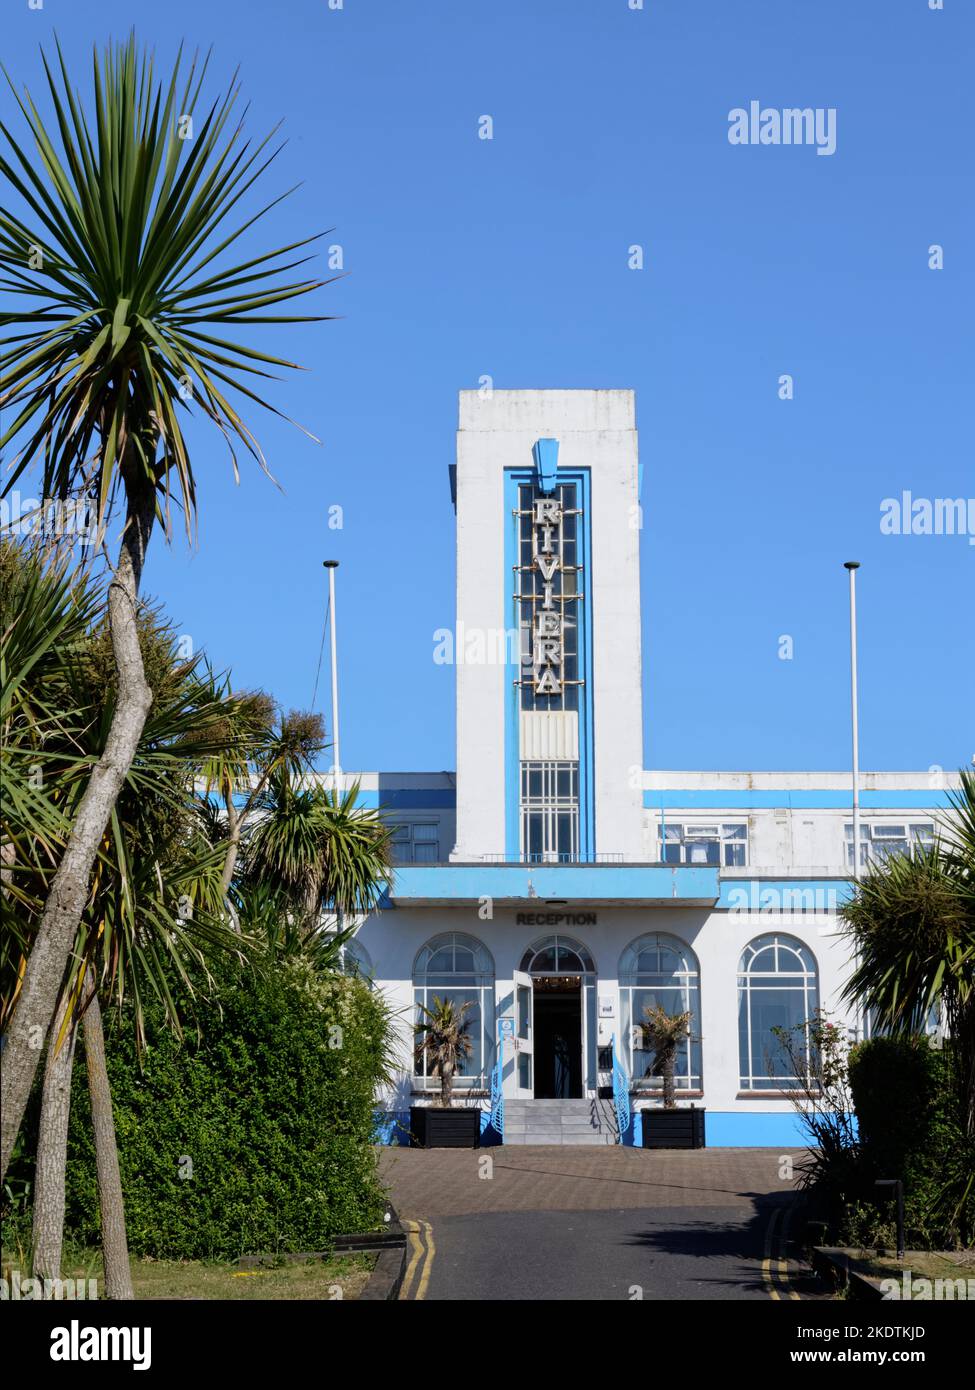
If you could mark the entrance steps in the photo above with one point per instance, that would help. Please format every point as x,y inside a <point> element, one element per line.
<point>559,1122</point>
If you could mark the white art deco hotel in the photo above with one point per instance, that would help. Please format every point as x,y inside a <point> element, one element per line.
<point>557,882</point>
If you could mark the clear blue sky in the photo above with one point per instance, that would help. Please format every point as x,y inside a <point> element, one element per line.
<point>509,258</point>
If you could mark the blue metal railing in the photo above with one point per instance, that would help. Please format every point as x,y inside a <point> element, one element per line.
<point>621,1092</point>
<point>497,1098</point>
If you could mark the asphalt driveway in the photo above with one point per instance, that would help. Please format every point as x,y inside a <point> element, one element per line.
<point>594,1223</point>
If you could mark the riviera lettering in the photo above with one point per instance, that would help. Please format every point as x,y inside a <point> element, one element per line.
<point>547,633</point>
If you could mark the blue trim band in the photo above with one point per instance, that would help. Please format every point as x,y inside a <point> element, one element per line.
<point>781,895</point>
<point>680,799</point>
<point>575,883</point>
<point>429,799</point>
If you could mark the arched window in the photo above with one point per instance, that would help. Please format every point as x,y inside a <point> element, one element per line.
<point>557,955</point>
<point>660,970</point>
<point>777,989</point>
<point>355,960</point>
<point>460,969</point>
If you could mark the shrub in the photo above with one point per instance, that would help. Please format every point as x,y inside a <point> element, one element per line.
<point>893,1083</point>
<point>910,1128</point>
<point>256,1134</point>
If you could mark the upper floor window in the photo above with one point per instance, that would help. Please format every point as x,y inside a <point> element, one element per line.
<point>550,812</point>
<point>416,842</point>
<point>718,843</point>
<point>880,839</point>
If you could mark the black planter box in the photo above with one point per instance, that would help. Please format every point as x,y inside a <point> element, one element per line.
<point>432,1127</point>
<point>673,1129</point>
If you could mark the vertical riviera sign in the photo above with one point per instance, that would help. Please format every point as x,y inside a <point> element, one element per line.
<point>548,590</point>
<point>548,628</point>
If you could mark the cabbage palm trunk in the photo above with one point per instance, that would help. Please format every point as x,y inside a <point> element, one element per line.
<point>115,1248</point>
<point>117,303</point>
<point>58,926</point>
<point>52,1148</point>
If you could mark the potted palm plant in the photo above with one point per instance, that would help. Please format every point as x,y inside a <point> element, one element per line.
<point>669,1128</point>
<point>444,1042</point>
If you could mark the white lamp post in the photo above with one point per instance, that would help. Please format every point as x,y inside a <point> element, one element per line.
<point>332,566</point>
<point>853,566</point>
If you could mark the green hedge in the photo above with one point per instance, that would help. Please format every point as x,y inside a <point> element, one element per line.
<point>906,1102</point>
<point>254,1136</point>
<point>894,1083</point>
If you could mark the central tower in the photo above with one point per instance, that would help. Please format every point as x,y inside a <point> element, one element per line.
<point>547,648</point>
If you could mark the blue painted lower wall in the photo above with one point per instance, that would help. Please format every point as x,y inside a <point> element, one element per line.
<point>730,1129</point>
<point>736,1129</point>
<point>725,1129</point>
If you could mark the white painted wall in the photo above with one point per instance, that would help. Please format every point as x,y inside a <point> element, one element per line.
<point>595,430</point>
<point>717,939</point>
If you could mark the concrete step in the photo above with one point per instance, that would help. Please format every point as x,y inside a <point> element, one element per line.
<point>540,1105</point>
<point>545,1141</point>
<point>558,1123</point>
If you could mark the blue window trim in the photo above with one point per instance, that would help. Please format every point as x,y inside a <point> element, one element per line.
<point>513,479</point>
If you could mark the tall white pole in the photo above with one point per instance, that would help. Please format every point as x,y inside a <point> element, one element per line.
<point>860,1018</point>
<point>332,566</point>
<point>853,566</point>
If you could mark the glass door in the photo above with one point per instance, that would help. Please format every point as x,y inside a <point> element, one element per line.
<point>524,1003</point>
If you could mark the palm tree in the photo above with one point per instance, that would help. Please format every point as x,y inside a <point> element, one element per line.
<point>121,308</point>
<point>325,853</point>
<point>444,1041</point>
<point>662,1033</point>
<point>274,741</point>
<point>154,869</point>
<point>912,921</point>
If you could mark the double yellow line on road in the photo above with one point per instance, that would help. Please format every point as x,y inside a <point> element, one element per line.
<point>775,1265</point>
<point>422,1251</point>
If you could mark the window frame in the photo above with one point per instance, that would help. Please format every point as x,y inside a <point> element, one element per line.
<point>724,836</point>
<point>412,842</point>
<point>548,809</point>
<point>483,990</point>
<point>872,843</point>
<point>690,1079</point>
<point>759,1082</point>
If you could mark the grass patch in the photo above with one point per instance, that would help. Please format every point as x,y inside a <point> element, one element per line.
<point>343,1277</point>
<point>921,1264</point>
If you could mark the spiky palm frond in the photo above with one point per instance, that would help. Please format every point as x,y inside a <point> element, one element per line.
<point>913,936</point>
<point>912,923</point>
<point>443,1040</point>
<point>155,909</point>
<point>325,850</point>
<point>958,833</point>
<point>121,282</point>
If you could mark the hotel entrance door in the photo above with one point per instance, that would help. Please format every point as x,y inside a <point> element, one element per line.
<point>556,989</point>
<point>558,1037</point>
